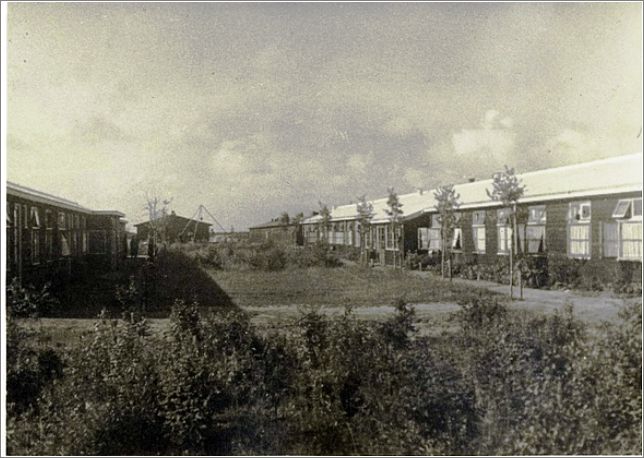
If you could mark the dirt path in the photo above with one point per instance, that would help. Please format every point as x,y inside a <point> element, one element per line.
<point>589,306</point>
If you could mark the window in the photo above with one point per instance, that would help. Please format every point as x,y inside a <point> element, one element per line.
<point>622,209</point>
<point>579,241</point>
<point>64,245</point>
<point>478,235</point>
<point>381,237</point>
<point>535,232</point>
<point>49,244</point>
<point>423,238</point>
<point>503,217</point>
<point>631,241</point>
<point>390,237</point>
<point>536,239</point>
<point>478,218</point>
<point>85,242</point>
<point>34,218</point>
<point>579,211</point>
<point>434,233</point>
<point>610,239</point>
<point>579,215</point>
<point>537,214</point>
<point>34,222</point>
<point>457,240</point>
<point>35,246</point>
<point>478,231</point>
<point>49,219</point>
<point>504,230</point>
<point>628,213</point>
<point>61,220</point>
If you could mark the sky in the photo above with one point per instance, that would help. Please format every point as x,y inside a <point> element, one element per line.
<point>257,109</point>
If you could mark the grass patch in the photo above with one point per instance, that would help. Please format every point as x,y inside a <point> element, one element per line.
<point>337,287</point>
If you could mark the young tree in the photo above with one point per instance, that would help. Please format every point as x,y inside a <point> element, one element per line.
<point>284,219</point>
<point>365,213</point>
<point>297,219</point>
<point>394,211</point>
<point>507,189</point>
<point>447,202</point>
<point>325,213</point>
<point>157,210</point>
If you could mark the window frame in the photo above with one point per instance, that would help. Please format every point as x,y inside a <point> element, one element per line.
<point>577,217</point>
<point>455,238</point>
<point>476,237</point>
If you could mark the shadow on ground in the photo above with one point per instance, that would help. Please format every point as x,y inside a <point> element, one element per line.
<point>153,286</point>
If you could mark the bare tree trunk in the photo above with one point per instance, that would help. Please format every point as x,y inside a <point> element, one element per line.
<point>512,242</point>
<point>523,257</point>
<point>442,254</point>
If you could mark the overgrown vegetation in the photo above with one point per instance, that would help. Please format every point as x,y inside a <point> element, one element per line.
<point>502,383</point>
<point>267,256</point>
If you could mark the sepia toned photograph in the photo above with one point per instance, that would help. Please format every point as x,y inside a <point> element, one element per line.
<point>321,229</point>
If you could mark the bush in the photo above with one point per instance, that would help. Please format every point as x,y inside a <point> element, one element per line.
<point>564,271</point>
<point>30,367</point>
<point>501,383</point>
<point>626,278</point>
<point>268,257</point>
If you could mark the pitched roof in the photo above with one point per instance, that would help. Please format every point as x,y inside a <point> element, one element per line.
<point>175,216</point>
<point>605,176</point>
<point>35,195</point>
<point>270,224</point>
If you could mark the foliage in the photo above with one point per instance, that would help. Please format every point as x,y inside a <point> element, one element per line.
<point>501,383</point>
<point>30,367</point>
<point>325,220</point>
<point>564,271</point>
<point>626,278</point>
<point>507,189</point>
<point>394,211</point>
<point>28,302</point>
<point>447,202</point>
<point>365,214</point>
<point>266,256</point>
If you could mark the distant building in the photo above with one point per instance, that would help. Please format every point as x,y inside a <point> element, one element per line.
<point>174,228</point>
<point>49,235</point>
<point>277,231</point>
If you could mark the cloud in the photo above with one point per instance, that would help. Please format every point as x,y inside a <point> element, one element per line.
<point>495,140</point>
<point>415,178</point>
<point>98,129</point>
<point>359,164</point>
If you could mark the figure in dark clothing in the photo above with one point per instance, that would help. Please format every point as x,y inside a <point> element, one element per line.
<point>134,247</point>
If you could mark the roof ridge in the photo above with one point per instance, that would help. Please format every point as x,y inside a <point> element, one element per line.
<point>42,193</point>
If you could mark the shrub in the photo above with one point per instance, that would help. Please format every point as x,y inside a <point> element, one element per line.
<point>564,271</point>
<point>28,302</point>
<point>30,367</point>
<point>502,382</point>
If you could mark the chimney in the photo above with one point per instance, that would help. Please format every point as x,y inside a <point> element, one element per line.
<point>471,180</point>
